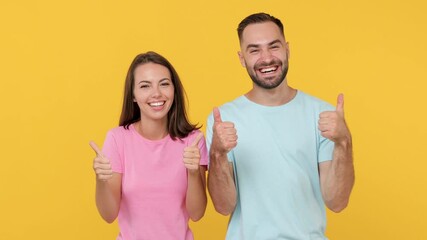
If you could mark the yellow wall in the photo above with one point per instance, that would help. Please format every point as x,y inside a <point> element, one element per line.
<point>63,65</point>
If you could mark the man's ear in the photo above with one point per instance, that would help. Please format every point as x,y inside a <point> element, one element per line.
<point>242,60</point>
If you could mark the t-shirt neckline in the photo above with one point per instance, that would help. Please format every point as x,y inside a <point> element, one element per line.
<point>146,140</point>
<point>272,108</point>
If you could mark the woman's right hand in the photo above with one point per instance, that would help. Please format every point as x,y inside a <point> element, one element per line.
<point>101,164</point>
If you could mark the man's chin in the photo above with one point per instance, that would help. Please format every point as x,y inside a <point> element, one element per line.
<point>267,83</point>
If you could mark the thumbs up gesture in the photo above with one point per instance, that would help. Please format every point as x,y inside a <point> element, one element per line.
<point>332,123</point>
<point>224,136</point>
<point>101,164</point>
<point>192,155</point>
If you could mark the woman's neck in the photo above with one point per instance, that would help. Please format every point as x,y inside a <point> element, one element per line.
<point>152,130</point>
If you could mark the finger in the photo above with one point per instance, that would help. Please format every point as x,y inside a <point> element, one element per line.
<point>340,103</point>
<point>234,138</point>
<point>230,131</point>
<point>231,145</point>
<point>323,128</point>
<point>191,155</point>
<point>217,115</point>
<point>326,114</point>
<point>227,125</point>
<point>197,140</point>
<point>190,162</point>
<point>103,172</point>
<point>326,134</point>
<point>104,166</point>
<point>102,160</point>
<point>95,148</point>
<point>105,177</point>
<point>326,121</point>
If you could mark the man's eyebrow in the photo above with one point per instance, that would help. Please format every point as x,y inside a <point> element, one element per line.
<point>269,44</point>
<point>274,42</point>
<point>252,46</point>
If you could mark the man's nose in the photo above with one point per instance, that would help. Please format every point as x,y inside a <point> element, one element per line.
<point>266,55</point>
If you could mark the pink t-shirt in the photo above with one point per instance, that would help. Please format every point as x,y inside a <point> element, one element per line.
<point>154,184</point>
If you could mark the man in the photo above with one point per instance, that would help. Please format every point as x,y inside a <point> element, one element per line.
<point>294,153</point>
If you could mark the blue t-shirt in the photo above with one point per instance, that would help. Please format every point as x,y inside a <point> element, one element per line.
<point>276,168</point>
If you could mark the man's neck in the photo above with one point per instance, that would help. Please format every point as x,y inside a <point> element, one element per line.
<point>280,95</point>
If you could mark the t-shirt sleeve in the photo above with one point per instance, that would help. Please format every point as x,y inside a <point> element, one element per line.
<point>201,145</point>
<point>326,146</point>
<point>326,150</point>
<point>203,152</point>
<point>111,151</point>
<point>209,125</point>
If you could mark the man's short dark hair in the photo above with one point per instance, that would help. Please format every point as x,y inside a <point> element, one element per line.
<point>258,18</point>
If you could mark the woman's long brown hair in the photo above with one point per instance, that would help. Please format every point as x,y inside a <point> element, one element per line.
<point>178,124</point>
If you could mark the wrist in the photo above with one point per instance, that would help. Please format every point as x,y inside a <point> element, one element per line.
<point>345,142</point>
<point>101,181</point>
<point>215,154</point>
<point>193,172</point>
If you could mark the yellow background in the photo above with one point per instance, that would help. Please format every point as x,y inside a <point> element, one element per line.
<point>63,65</point>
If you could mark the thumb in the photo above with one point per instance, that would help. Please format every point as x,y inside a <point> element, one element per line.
<point>340,103</point>
<point>197,140</point>
<point>96,148</point>
<point>217,115</point>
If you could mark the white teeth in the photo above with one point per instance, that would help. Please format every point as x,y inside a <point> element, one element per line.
<point>267,70</point>
<point>156,104</point>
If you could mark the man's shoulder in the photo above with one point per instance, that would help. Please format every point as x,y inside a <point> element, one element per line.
<point>228,109</point>
<point>237,103</point>
<point>314,101</point>
<point>233,106</point>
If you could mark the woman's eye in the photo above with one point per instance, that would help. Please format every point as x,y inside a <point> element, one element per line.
<point>165,84</point>
<point>144,86</point>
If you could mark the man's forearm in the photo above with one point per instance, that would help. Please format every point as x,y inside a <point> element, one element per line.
<point>221,184</point>
<point>340,179</point>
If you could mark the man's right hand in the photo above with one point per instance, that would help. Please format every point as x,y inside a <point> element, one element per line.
<point>101,164</point>
<point>224,134</point>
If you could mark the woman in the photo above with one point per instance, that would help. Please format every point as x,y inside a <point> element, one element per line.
<point>151,171</point>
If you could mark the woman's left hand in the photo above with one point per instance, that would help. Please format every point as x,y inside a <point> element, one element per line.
<point>192,155</point>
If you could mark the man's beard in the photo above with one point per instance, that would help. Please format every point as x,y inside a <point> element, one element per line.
<point>270,83</point>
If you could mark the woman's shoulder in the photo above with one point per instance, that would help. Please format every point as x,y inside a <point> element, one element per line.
<point>119,131</point>
<point>192,136</point>
<point>194,133</point>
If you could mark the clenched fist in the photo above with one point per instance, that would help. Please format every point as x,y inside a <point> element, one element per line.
<point>224,136</point>
<point>101,164</point>
<point>191,156</point>
<point>332,123</point>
